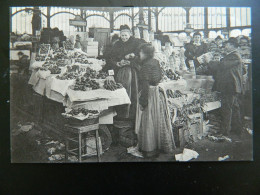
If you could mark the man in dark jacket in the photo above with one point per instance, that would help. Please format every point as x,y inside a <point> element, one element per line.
<point>230,86</point>
<point>23,62</point>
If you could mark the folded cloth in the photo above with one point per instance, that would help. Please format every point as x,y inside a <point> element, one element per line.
<point>61,86</point>
<point>34,79</point>
<point>43,74</point>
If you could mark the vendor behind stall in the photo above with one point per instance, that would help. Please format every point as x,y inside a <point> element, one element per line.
<point>108,51</point>
<point>123,54</point>
<point>194,49</point>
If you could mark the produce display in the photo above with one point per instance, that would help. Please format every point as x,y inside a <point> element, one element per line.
<point>112,85</point>
<point>90,73</point>
<point>85,84</point>
<point>83,111</point>
<point>61,63</point>
<point>102,75</point>
<point>44,48</point>
<point>60,54</point>
<point>54,70</point>
<point>68,76</point>
<point>74,68</point>
<point>175,94</point>
<point>40,58</point>
<point>170,74</point>
<point>68,45</point>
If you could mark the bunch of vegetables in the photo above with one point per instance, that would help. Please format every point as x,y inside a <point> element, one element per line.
<point>84,84</point>
<point>54,69</point>
<point>40,58</point>
<point>44,48</point>
<point>68,45</point>
<point>170,74</point>
<point>102,75</point>
<point>175,94</point>
<point>83,111</point>
<point>90,73</point>
<point>68,76</point>
<point>112,85</point>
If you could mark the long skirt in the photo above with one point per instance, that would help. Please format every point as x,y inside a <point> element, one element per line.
<point>153,125</point>
<point>127,76</point>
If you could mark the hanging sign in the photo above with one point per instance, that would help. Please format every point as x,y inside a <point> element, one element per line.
<point>78,21</point>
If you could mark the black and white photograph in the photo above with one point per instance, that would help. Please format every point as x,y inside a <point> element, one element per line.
<point>130,84</point>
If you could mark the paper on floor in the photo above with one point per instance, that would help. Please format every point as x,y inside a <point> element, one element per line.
<point>186,155</point>
<point>134,151</point>
<point>223,158</point>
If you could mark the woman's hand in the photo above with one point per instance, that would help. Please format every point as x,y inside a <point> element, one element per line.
<point>141,107</point>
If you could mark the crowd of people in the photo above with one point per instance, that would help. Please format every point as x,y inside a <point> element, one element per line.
<point>134,66</point>
<point>133,63</point>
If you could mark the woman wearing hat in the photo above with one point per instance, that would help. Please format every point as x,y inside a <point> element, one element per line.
<point>123,61</point>
<point>195,49</point>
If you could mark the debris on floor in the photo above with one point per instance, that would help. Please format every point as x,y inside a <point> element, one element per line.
<point>186,155</point>
<point>72,158</point>
<point>51,150</point>
<point>223,158</point>
<point>22,128</point>
<point>219,138</point>
<point>56,157</point>
<point>134,151</point>
<point>52,142</point>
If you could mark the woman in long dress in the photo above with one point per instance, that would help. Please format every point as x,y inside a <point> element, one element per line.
<point>153,124</point>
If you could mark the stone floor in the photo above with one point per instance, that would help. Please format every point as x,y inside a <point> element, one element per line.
<point>32,147</point>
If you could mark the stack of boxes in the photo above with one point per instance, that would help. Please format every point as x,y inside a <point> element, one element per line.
<point>92,48</point>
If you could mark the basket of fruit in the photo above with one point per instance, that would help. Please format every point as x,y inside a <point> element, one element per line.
<point>81,116</point>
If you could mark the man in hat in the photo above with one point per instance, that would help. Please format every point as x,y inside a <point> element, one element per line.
<point>230,86</point>
<point>23,62</point>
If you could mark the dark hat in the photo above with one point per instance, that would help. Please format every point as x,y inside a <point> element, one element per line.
<point>232,41</point>
<point>196,33</point>
<point>20,53</point>
<point>124,27</point>
<point>218,37</point>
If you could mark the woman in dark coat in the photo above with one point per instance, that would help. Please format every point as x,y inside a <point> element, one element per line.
<point>123,60</point>
<point>195,49</point>
<point>153,125</point>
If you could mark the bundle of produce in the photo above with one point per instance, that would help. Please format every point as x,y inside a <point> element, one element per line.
<point>85,84</point>
<point>90,73</point>
<point>48,63</point>
<point>79,55</point>
<point>60,54</point>
<point>102,75</point>
<point>61,63</point>
<point>54,70</point>
<point>83,111</point>
<point>44,49</point>
<point>175,94</point>
<point>82,60</point>
<point>74,68</point>
<point>40,58</point>
<point>171,74</point>
<point>68,76</point>
<point>112,85</point>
